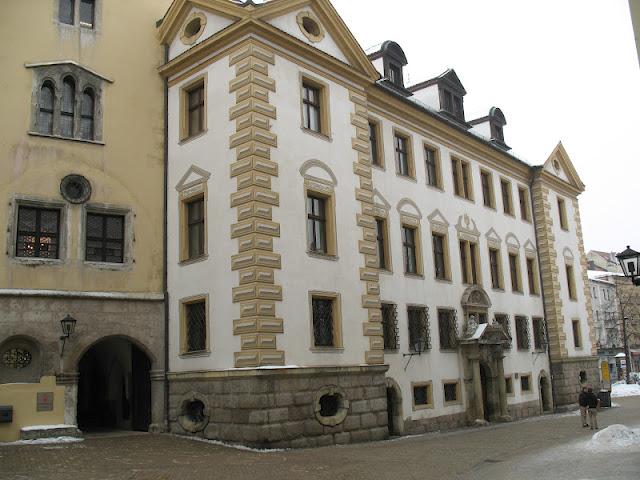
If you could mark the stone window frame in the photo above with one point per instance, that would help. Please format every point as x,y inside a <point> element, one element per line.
<point>524,200</point>
<point>461,189</point>
<point>343,409</point>
<point>324,94</point>
<point>454,320</point>
<point>458,400</point>
<point>187,196</point>
<point>308,15</point>
<point>324,190</point>
<point>336,312</point>
<point>427,406</point>
<point>439,184</point>
<point>494,242</point>
<point>508,379</point>
<point>532,257</point>
<point>378,132</point>
<point>388,262</point>
<point>129,236</point>
<point>411,164</point>
<point>576,334</point>
<point>506,191</point>
<point>54,73</point>
<point>33,369</point>
<point>63,233</point>
<point>77,24</point>
<point>491,193</point>
<point>514,252</point>
<point>185,89</point>
<point>562,214</point>
<point>408,222</point>
<point>187,39</point>
<point>530,390</point>
<point>570,276</point>
<point>526,334</point>
<point>183,302</point>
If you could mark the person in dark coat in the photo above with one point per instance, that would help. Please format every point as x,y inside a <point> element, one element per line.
<point>584,406</point>
<point>593,403</point>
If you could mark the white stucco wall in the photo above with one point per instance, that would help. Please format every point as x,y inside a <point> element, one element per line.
<point>430,96</point>
<point>215,23</point>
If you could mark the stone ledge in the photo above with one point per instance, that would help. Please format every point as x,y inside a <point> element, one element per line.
<point>49,431</point>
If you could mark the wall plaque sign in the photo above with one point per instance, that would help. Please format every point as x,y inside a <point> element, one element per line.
<point>45,402</point>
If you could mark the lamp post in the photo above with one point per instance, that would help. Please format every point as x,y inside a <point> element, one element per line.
<point>630,261</point>
<point>627,357</point>
<point>68,325</point>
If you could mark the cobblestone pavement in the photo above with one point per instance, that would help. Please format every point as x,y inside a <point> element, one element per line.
<point>551,447</point>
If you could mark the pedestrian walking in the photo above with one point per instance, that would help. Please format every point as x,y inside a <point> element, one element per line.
<point>594,405</point>
<point>584,406</point>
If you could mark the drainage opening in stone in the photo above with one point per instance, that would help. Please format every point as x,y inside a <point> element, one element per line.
<point>330,405</point>
<point>194,411</point>
<point>583,376</point>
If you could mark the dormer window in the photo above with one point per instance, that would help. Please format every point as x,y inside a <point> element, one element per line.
<point>497,133</point>
<point>452,104</point>
<point>389,59</point>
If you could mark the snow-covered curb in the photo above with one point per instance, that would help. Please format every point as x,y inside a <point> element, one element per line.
<point>621,389</point>
<point>43,441</point>
<point>46,427</point>
<point>230,445</point>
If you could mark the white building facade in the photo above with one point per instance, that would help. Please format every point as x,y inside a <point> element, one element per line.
<point>349,258</point>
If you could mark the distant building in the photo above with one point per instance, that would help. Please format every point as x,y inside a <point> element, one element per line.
<point>603,261</point>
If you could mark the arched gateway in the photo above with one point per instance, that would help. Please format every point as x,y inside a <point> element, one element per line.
<point>482,348</point>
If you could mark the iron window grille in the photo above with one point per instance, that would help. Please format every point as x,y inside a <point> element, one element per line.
<point>421,395</point>
<point>105,238</point>
<point>38,232</point>
<point>196,316</point>
<point>311,108</point>
<point>195,226</point>
<point>323,327</point>
<point>503,321</point>
<point>539,334</point>
<point>419,337</point>
<point>448,329</point>
<point>523,339</point>
<point>316,224</point>
<point>390,330</point>
<point>402,155</point>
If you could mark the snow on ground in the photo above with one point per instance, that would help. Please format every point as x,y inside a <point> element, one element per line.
<point>615,437</point>
<point>43,441</point>
<point>230,445</point>
<point>621,389</point>
<point>46,427</point>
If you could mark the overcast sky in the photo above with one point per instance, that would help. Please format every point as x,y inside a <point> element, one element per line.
<point>559,70</point>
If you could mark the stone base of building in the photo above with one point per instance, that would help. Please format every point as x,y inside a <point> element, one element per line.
<point>525,410</point>
<point>434,424</point>
<point>569,374</point>
<point>281,408</point>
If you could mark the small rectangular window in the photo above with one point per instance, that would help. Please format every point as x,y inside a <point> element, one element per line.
<point>562,212</point>
<point>523,340</point>
<point>316,225</point>
<point>38,232</point>
<point>196,227</point>
<point>422,397</point>
<point>390,326</point>
<point>374,144</point>
<point>532,275</point>
<point>496,269</point>
<point>87,13</point>
<point>66,11</point>
<point>105,238</point>
<point>432,167</point>
<point>525,211</point>
<point>195,326</point>
<point>440,262</point>
<point>409,250</point>
<point>418,321</point>
<point>395,75</point>
<point>447,329</point>
<point>451,392</point>
<point>577,336</point>
<point>381,243</point>
<point>487,189</point>
<point>403,165</point>
<point>514,270</point>
<point>571,282</point>
<point>325,318</point>
<point>525,383</point>
<point>311,108</point>
<point>505,186</point>
<point>508,381</point>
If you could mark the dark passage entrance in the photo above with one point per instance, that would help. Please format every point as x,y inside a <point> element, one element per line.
<point>114,389</point>
<point>545,395</point>
<point>487,384</point>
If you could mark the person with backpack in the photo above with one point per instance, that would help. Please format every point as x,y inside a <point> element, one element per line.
<point>584,406</point>
<point>594,405</point>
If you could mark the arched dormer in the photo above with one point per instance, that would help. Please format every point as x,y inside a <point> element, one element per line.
<point>390,60</point>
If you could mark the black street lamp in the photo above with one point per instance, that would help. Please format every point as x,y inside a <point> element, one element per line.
<point>68,325</point>
<point>630,261</point>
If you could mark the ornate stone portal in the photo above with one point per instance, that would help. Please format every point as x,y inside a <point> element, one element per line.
<point>482,349</point>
